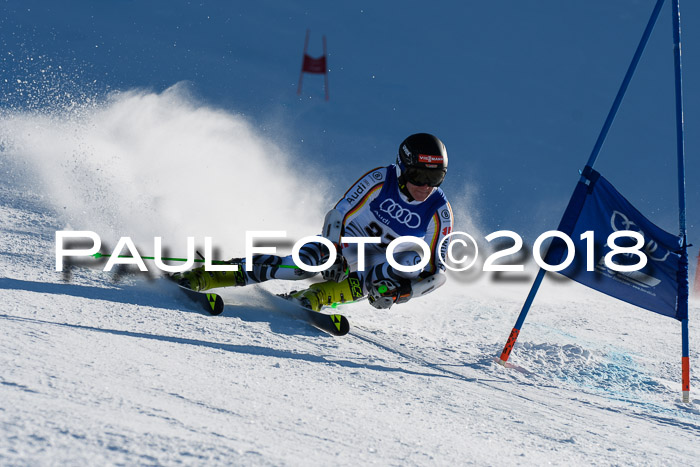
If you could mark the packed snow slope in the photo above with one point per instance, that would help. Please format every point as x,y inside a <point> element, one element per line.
<point>105,368</point>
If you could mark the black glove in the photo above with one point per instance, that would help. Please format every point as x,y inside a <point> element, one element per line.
<point>338,271</point>
<point>383,294</point>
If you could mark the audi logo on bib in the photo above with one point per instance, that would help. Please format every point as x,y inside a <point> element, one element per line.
<point>402,215</point>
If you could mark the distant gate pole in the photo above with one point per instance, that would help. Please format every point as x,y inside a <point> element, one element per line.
<point>312,65</point>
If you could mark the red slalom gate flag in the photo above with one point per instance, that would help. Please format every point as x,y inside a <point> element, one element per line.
<point>317,66</point>
<point>314,65</point>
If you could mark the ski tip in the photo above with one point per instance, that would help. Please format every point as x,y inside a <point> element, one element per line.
<point>216,303</point>
<point>342,325</point>
<point>212,302</point>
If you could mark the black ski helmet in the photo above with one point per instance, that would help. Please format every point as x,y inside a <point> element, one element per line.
<point>422,160</point>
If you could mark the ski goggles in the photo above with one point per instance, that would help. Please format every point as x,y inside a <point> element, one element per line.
<point>420,176</point>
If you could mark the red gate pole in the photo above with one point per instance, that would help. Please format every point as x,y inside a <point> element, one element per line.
<point>325,71</point>
<point>303,58</point>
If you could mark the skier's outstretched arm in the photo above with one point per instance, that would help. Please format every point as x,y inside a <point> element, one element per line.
<point>390,286</point>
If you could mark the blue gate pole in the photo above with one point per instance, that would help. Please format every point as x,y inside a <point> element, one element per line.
<point>591,161</point>
<point>682,311</point>
<point>625,83</point>
<point>521,318</point>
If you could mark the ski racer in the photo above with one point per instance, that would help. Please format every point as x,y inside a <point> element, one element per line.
<point>402,199</point>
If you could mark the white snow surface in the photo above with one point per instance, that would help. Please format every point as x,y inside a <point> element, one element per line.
<point>107,368</point>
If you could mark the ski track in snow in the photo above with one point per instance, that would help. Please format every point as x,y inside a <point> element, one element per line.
<point>120,368</point>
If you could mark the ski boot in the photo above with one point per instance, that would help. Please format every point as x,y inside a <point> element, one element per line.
<point>329,293</point>
<point>200,280</point>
